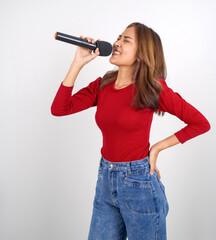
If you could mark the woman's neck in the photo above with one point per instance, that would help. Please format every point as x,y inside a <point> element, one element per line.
<point>124,77</point>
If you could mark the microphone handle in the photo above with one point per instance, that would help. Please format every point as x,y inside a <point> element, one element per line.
<point>75,40</point>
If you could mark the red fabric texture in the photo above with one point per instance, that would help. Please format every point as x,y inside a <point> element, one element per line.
<point>126,130</point>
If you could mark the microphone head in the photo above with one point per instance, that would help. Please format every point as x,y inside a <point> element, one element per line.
<point>105,48</point>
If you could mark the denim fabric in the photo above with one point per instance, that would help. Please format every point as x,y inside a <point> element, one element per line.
<point>129,202</point>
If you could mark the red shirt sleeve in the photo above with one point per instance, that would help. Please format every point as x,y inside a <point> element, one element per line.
<point>173,103</point>
<point>64,103</point>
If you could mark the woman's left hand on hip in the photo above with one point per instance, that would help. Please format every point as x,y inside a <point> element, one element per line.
<point>153,154</point>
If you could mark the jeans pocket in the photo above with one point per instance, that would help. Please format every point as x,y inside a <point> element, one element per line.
<point>139,194</point>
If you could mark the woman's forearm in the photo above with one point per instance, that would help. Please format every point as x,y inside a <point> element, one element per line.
<point>72,74</point>
<point>156,148</point>
<point>166,143</point>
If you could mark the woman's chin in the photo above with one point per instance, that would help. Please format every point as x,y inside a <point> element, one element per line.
<point>113,61</point>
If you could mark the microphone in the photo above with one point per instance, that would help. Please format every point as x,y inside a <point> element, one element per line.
<point>105,48</point>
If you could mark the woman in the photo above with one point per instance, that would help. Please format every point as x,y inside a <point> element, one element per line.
<point>130,199</point>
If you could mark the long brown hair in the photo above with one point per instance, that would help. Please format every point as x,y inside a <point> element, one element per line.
<point>149,66</point>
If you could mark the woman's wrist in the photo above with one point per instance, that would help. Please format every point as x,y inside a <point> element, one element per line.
<point>77,64</point>
<point>165,143</point>
<point>156,147</point>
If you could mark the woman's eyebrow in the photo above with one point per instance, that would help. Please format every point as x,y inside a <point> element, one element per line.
<point>126,37</point>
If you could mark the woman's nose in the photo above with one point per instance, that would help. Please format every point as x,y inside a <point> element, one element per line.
<point>117,43</point>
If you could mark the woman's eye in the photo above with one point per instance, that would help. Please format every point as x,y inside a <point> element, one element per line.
<point>124,40</point>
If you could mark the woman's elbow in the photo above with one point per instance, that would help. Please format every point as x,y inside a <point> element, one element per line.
<point>54,112</point>
<point>208,126</point>
<point>205,126</point>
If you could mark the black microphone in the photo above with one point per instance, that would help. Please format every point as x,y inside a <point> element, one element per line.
<point>105,48</point>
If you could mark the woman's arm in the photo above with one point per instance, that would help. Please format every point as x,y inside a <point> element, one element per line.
<point>156,148</point>
<point>166,143</point>
<point>72,74</point>
<point>64,103</point>
<point>173,103</point>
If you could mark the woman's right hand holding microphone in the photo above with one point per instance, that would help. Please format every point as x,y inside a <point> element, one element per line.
<point>84,55</point>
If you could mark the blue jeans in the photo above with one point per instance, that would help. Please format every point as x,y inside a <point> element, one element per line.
<point>129,202</point>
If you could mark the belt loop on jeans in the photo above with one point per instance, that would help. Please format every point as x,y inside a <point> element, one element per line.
<point>129,167</point>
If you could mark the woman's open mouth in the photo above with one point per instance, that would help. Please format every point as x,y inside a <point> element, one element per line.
<point>115,53</point>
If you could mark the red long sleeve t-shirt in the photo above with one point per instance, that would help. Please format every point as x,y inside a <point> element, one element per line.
<point>126,130</point>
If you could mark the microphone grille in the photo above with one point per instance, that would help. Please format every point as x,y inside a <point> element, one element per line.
<point>105,48</point>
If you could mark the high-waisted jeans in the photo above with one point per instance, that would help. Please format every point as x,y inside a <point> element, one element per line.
<point>129,202</point>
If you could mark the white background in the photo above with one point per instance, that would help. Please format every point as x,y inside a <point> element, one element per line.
<point>48,164</point>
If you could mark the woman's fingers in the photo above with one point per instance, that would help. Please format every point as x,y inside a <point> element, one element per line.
<point>88,39</point>
<point>152,167</point>
<point>96,52</point>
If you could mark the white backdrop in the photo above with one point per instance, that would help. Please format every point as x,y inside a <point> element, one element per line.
<point>48,164</point>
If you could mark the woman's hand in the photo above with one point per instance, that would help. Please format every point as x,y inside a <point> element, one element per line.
<point>153,153</point>
<point>156,148</point>
<point>84,55</point>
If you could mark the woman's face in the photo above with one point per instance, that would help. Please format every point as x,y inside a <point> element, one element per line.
<point>126,44</point>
